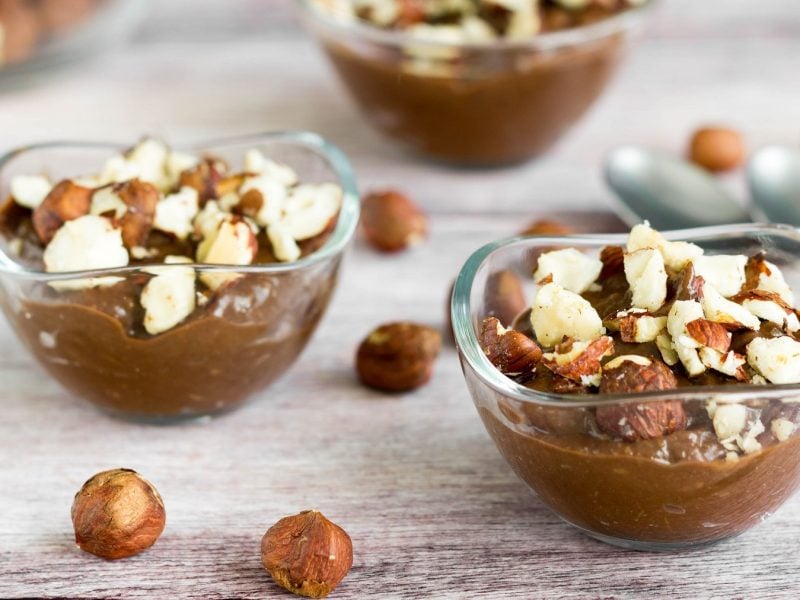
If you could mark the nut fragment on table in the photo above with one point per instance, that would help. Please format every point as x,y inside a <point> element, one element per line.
<point>307,554</point>
<point>117,514</point>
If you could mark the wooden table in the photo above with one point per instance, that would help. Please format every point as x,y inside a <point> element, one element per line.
<point>431,506</point>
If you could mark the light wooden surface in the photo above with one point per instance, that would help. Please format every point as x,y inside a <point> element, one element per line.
<point>432,508</point>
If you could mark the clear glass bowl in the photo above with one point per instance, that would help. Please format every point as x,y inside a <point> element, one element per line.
<point>64,32</point>
<point>247,335</point>
<point>669,493</point>
<point>475,104</point>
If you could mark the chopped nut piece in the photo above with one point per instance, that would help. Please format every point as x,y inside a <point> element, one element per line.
<point>640,327</point>
<point>782,429</point>
<point>203,177</point>
<point>30,190</point>
<point>612,258</point>
<point>680,315</point>
<point>88,242</point>
<point>310,209</point>
<point>729,363</point>
<point>581,363</point>
<point>777,359</point>
<point>676,255</point>
<point>263,199</point>
<point>169,297</point>
<point>769,306</point>
<point>688,285</point>
<point>725,273</point>
<point>255,162</point>
<point>233,244</point>
<point>730,314</point>
<point>569,268</point>
<point>141,199</point>
<point>175,213</point>
<point>284,247</point>
<point>512,352</point>
<point>644,270</point>
<point>107,203</point>
<point>65,202</point>
<point>557,312</point>
<point>708,333</point>
<point>668,354</point>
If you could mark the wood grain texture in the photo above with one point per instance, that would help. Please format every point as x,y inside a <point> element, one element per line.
<point>433,510</point>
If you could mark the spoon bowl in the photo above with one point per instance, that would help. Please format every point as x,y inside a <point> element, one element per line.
<point>773,175</point>
<point>667,191</point>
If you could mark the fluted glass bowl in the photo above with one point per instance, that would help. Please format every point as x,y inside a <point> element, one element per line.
<point>667,493</point>
<point>247,335</point>
<point>475,104</point>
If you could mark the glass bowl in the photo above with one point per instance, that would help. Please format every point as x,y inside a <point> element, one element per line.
<point>475,104</point>
<point>667,493</point>
<point>246,336</point>
<point>50,33</point>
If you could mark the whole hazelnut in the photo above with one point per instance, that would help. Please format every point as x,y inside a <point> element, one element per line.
<point>717,149</point>
<point>392,222</point>
<point>398,357</point>
<point>307,554</point>
<point>117,514</point>
<point>548,227</point>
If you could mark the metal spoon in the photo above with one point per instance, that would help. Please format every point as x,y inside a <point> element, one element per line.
<point>774,178</point>
<point>667,191</point>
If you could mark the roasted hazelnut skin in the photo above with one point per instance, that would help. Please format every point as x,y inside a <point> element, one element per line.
<point>117,514</point>
<point>307,554</point>
<point>398,357</point>
<point>391,221</point>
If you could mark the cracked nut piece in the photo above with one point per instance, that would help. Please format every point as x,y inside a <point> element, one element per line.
<point>613,258</point>
<point>639,326</point>
<point>65,202</point>
<point>392,221</point>
<point>233,243</point>
<point>708,333</point>
<point>512,352</point>
<point>169,297</point>
<point>175,213</point>
<point>644,270</point>
<point>580,361</point>
<point>777,359</point>
<point>29,190</point>
<point>557,313</point>
<point>140,199</point>
<point>398,357</point>
<point>307,554</point>
<point>717,148</point>
<point>117,514</point>
<point>570,268</point>
<point>725,273</point>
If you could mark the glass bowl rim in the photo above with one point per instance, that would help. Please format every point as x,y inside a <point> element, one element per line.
<point>470,350</point>
<point>341,236</point>
<point>552,40</point>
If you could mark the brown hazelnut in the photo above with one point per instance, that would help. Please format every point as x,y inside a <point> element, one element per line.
<point>512,352</point>
<point>307,554</point>
<point>65,202</point>
<point>586,364</point>
<point>204,177</point>
<point>116,514</point>
<point>391,221</point>
<point>547,227</point>
<point>21,29</point>
<point>630,421</point>
<point>504,296</point>
<point>140,199</point>
<point>717,149</point>
<point>398,357</point>
<point>613,259</point>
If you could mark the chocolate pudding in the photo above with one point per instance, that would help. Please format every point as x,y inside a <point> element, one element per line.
<point>166,340</point>
<point>466,88</point>
<point>712,450</point>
